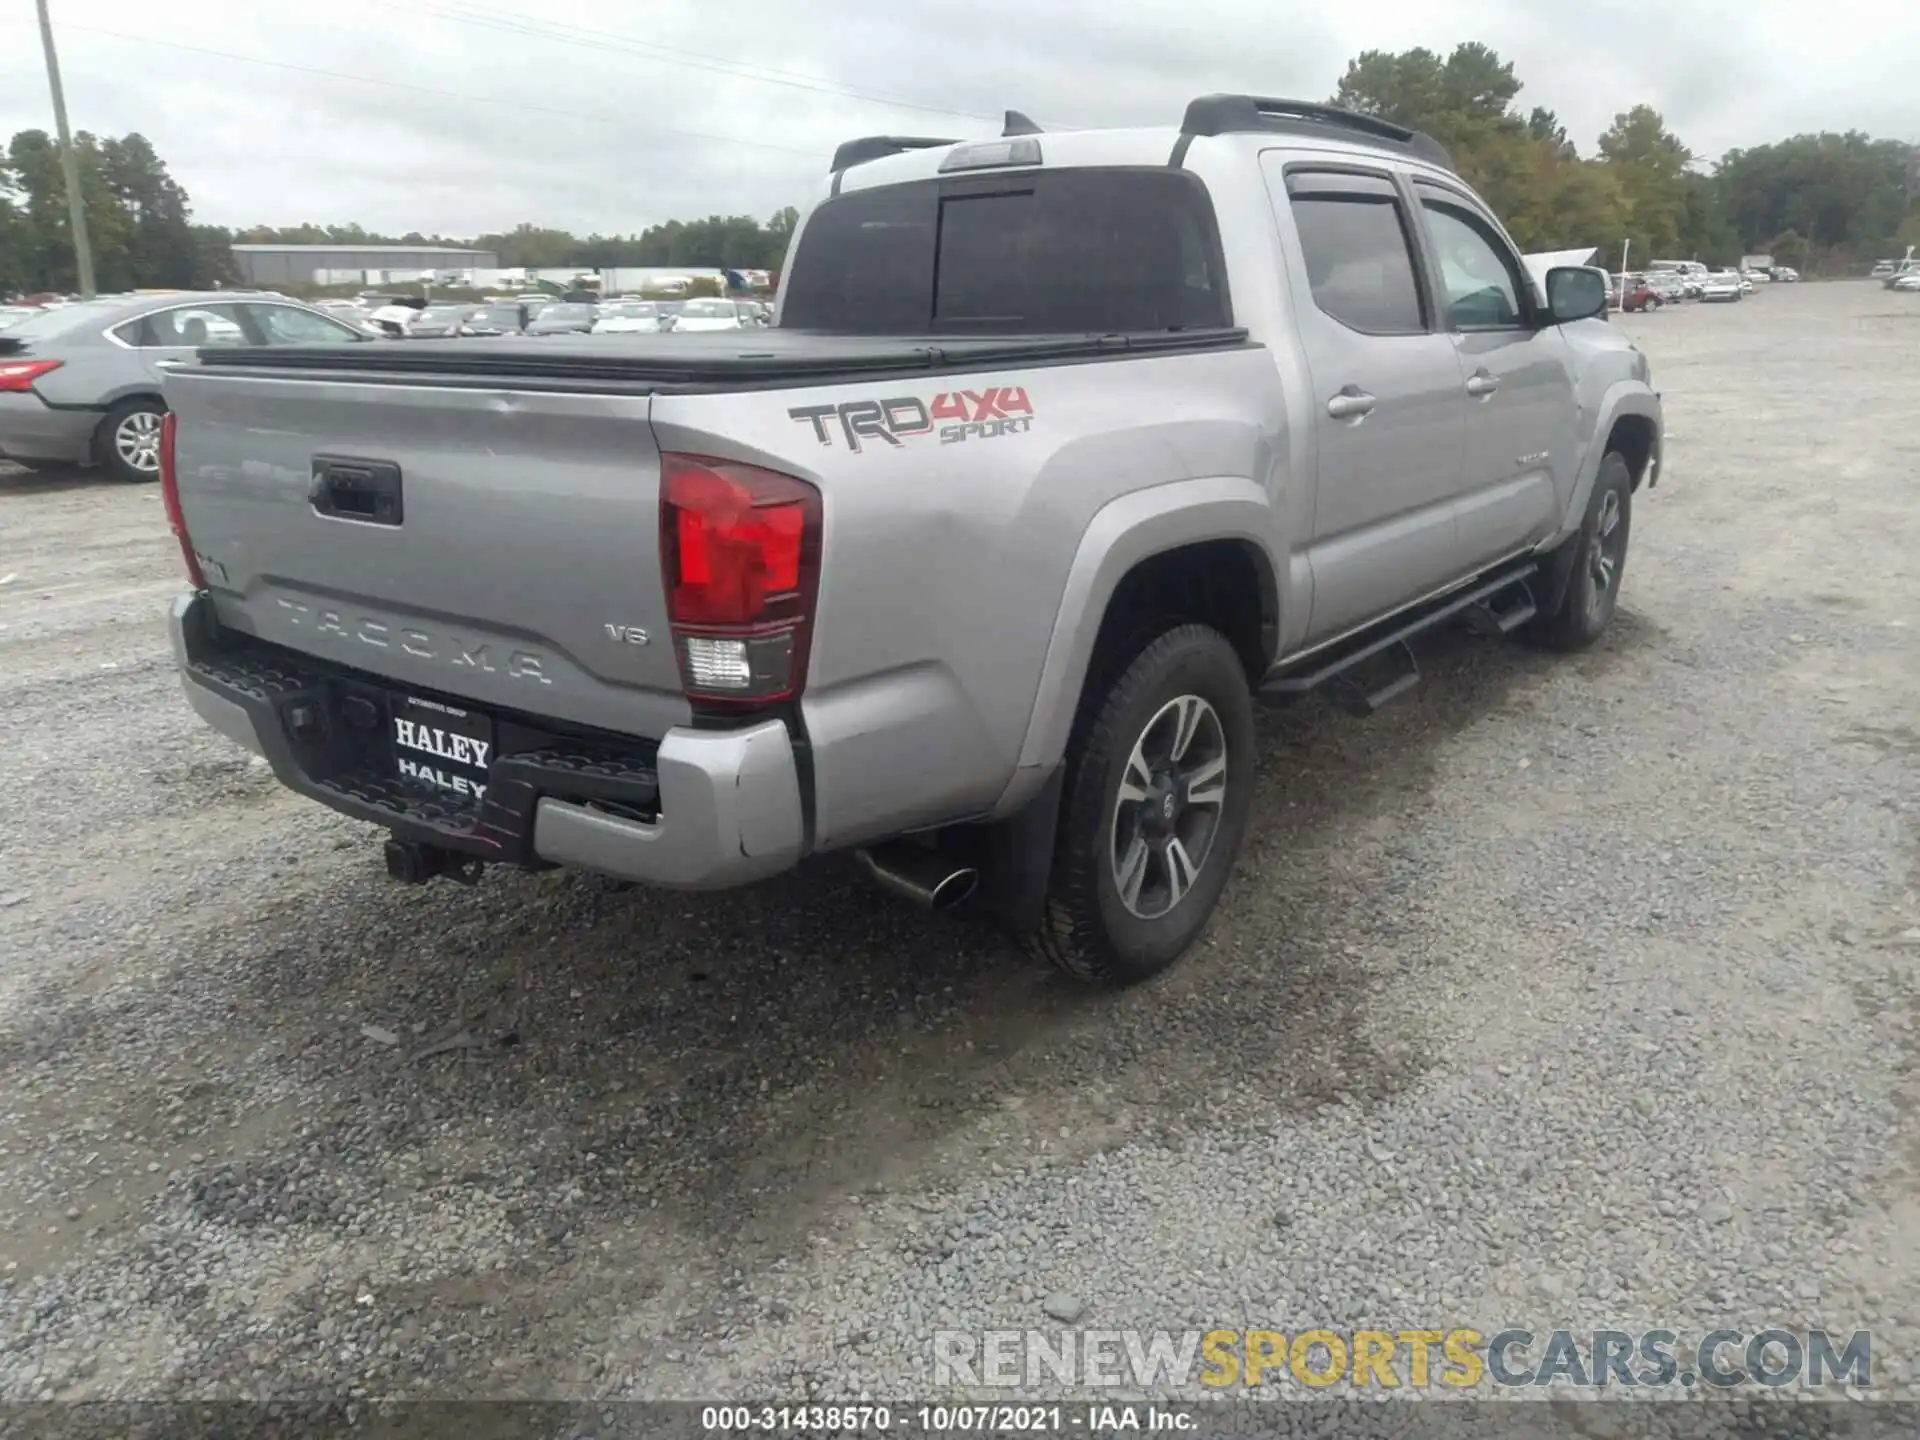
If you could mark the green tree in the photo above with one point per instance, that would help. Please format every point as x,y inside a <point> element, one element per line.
<point>1845,192</point>
<point>1789,247</point>
<point>1650,165</point>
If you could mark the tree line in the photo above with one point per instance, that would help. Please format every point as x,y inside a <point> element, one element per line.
<point>1824,202</point>
<point>1827,201</point>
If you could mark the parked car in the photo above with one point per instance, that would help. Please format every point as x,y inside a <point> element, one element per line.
<point>1882,269</point>
<point>1784,275</point>
<point>1667,285</point>
<point>440,322</point>
<point>14,314</point>
<point>628,317</point>
<point>1756,277</point>
<point>1632,292</point>
<point>497,318</point>
<point>394,316</point>
<point>564,318</point>
<point>81,384</point>
<point>725,619</point>
<point>701,315</point>
<point>1720,286</point>
<point>1910,280</point>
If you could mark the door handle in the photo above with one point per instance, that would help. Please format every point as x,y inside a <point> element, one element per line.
<point>1482,384</point>
<point>1350,404</point>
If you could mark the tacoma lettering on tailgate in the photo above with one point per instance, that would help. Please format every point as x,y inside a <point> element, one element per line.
<point>969,415</point>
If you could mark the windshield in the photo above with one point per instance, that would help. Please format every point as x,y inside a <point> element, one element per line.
<point>497,315</point>
<point>709,310</point>
<point>444,314</point>
<point>629,311</point>
<point>1069,251</point>
<point>567,312</point>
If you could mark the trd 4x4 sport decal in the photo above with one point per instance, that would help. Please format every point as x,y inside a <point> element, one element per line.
<point>958,414</point>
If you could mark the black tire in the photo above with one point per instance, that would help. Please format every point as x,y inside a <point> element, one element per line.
<point>1593,591</point>
<point>114,447</point>
<point>1089,930</point>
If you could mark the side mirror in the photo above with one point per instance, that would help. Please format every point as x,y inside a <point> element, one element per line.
<point>1575,293</point>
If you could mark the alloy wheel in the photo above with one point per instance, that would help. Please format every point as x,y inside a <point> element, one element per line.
<point>1169,806</point>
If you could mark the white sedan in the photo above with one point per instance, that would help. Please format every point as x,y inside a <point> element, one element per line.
<point>1721,285</point>
<point>1908,281</point>
<point>628,317</point>
<point>711,315</point>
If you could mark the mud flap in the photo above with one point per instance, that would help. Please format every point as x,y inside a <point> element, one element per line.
<point>1017,858</point>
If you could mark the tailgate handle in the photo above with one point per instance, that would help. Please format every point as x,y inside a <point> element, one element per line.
<point>364,490</point>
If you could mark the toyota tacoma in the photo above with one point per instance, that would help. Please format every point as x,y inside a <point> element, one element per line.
<point>1064,451</point>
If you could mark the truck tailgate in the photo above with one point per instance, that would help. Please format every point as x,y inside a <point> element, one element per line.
<point>490,544</point>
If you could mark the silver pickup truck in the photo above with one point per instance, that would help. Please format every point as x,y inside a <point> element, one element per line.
<point>1064,449</point>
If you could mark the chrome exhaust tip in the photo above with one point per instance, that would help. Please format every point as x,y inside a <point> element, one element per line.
<point>926,877</point>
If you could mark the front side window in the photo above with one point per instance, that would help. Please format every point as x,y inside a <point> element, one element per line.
<point>1483,287</point>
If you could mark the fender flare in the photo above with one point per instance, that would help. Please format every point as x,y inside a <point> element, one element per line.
<point>1131,528</point>
<point>1623,397</point>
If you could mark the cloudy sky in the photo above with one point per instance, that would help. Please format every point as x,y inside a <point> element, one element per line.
<point>463,116</point>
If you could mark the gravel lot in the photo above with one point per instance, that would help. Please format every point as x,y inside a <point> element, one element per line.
<point>1572,992</point>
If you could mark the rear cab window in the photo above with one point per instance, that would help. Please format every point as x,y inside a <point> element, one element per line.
<point>1075,250</point>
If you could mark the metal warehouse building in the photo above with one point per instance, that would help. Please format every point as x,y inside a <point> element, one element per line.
<point>278,264</point>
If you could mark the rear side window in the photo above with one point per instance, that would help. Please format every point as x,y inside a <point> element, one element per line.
<point>195,326</point>
<point>1359,257</point>
<point>1070,251</point>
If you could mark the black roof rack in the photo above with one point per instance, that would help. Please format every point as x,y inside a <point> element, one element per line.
<point>876,147</point>
<point>1245,114</point>
<point>1018,124</point>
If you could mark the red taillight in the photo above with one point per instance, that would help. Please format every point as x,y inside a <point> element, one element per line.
<point>170,497</point>
<point>740,553</point>
<point>17,376</point>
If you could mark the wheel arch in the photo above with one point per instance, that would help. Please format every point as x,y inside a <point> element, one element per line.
<point>1211,537</point>
<point>1629,413</point>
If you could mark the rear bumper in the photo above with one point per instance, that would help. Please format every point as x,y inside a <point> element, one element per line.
<point>31,429</point>
<point>701,810</point>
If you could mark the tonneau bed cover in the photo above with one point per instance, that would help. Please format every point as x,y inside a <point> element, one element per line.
<point>717,360</point>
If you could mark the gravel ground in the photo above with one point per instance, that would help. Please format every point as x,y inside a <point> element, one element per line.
<point>1569,992</point>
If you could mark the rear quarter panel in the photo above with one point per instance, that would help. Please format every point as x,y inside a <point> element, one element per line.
<point>947,548</point>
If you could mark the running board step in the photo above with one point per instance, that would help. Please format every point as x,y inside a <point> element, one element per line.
<point>1393,673</point>
<point>1503,612</point>
<point>1497,604</point>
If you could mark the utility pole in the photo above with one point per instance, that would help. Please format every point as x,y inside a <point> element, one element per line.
<point>69,159</point>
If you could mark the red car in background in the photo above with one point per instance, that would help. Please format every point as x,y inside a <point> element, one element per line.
<point>1634,294</point>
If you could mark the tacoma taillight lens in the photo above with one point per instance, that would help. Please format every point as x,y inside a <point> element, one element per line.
<point>740,553</point>
<point>17,376</point>
<point>170,497</point>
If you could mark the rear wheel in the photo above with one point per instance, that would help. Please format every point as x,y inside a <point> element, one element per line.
<point>1159,778</point>
<point>127,444</point>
